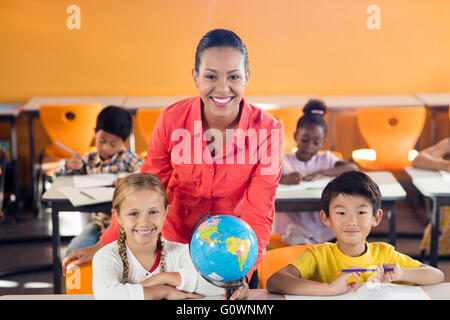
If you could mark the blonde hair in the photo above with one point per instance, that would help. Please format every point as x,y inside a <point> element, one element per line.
<point>128,185</point>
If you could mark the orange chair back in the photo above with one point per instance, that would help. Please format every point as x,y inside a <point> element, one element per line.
<point>288,117</point>
<point>146,120</point>
<point>391,132</point>
<point>276,259</point>
<point>79,280</point>
<point>72,125</point>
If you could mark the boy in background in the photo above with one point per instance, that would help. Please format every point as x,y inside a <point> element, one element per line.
<point>113,128</point>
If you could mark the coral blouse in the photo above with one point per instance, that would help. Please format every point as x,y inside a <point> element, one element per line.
<point>240,180</point>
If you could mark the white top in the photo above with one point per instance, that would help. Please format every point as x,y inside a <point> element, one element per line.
<point>322,160</point>
<point>108,269</point>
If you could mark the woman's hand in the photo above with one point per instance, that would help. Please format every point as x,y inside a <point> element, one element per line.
<point>75,163</point>
<point>81,255</point>
<point>240,293</point>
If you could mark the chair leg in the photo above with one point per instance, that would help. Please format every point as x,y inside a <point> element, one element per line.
<point>37,180</point>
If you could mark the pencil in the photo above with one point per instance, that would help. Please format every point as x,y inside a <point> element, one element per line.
<point>65,148</point>
<point>365,270</point>
<point>87,194</point>
<point>287,166</point>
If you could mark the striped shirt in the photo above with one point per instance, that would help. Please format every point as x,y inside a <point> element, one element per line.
<point>123,161</point>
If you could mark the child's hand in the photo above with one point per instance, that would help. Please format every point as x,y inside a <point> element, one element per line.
<point>75,163</point>
<point>163,278</point>
<point>240,293</point>
<point>313,176</point>
<point>292,178</point>
<point>389,276</point>
<point>340,286</point>
<point>175,294</point>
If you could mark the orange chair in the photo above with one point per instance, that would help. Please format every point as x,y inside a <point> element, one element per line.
<point>391,134</point>
<point>288,117</point>
<point>146,120</point>
<point>79,280</point>
<point>276,259</point>
<point>276,242</point>
<point>73,126</point>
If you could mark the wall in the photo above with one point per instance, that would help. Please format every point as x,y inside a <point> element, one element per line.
<point>138,47</point>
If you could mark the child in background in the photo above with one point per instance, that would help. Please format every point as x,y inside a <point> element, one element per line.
<point>351,207</point>
<point>113,128</point>
<point>141,264</point>
<point>308,164</point>
<point>436,157</point>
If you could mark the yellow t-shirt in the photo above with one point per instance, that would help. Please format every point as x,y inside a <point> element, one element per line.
<point>323,262</point>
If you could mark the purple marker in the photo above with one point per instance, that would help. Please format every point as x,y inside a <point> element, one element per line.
<point>365,270</point>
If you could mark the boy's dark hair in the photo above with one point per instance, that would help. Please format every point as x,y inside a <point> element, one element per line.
<point>351,183</point>
<point>116,121</point>
<point>313,114</point>
<point>220,38</point>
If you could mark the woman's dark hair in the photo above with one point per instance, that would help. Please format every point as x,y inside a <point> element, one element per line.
<point>115,120</point>
<point>354,183</point>
<point>220,38</point>
<point>313,114</point>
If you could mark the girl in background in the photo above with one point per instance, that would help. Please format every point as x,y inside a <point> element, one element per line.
<point>308,164</point>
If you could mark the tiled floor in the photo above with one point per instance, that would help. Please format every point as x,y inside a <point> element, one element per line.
<point>410,225</point>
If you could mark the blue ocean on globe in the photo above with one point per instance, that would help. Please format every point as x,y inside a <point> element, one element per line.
<point>223,248</point>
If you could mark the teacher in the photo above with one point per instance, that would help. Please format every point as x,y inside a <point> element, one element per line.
<point>214,153</point>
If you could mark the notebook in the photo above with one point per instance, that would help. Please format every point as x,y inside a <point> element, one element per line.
<point>87,196</point>
<point>374,291</point>
<point>96,180</point>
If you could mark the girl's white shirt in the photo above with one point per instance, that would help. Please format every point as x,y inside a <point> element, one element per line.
<point>108,273</point>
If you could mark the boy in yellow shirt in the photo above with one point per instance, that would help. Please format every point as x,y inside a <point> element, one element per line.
<point>351,207</point>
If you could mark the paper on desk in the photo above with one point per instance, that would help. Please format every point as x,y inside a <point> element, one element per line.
<point>307,185</point>
<point>96,180</point>
<point>374,291</point>
<point>445,175</point>
<point>95,195</point>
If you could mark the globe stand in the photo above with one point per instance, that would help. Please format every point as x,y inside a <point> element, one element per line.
<point>229,286</point>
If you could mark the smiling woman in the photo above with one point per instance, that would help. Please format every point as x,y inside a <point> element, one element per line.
<point>211,180</point>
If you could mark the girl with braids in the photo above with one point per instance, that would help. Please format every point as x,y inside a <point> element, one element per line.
<point>308,164</point>
<point>141,264</point>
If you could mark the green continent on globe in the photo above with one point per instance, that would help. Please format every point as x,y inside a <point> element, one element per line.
<point>240,248</point>
<point>206,232</point>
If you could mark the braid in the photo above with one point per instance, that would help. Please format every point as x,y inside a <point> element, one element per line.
<point>163,256</point>
<point>123,253</point>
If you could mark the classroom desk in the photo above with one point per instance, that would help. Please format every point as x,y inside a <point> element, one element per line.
<point>31,108</point>
<point>436,102</point>
<point>432,184</point>
<point>59,202</point>
<point>10,113</point>
<point>439,291</point>
<point>309,200</point>
<point>264,102</point>
<point>341,104</point>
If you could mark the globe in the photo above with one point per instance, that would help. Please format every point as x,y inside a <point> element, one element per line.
<point>223,249</point>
